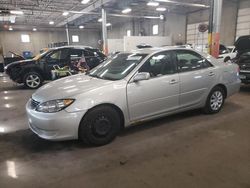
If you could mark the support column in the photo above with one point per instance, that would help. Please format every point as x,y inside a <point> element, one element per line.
<point>104,32</point>
<point>210,26</point>
<point>217,11</point>
<point>67,33</point>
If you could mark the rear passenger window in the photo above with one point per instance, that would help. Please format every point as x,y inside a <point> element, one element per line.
<point>76,54</point>
<point>88,53</point>
<point>189,61</point>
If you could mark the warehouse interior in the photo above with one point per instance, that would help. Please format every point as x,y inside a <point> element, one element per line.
<point>183,148</point>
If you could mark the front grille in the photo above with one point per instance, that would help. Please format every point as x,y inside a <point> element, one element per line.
<point>34,104</point>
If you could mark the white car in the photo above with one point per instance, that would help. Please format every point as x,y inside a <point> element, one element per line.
<point>226,53</point>
<point>130,87</point>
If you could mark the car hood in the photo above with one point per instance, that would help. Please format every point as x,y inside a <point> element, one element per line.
<point>68,87</point>
<point>243,43</point>
<point>21,62</point>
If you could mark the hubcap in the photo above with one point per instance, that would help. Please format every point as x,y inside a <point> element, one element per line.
<point>101,126</point>
<point>216,100</point>
<point>33,81</point>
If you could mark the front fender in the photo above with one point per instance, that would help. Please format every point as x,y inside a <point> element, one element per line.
<point>114,94</point>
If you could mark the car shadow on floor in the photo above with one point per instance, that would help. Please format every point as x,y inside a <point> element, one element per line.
<point>169,121</point>
<point>25,142</point>
<point>245,88</point>
<point>12,87</point>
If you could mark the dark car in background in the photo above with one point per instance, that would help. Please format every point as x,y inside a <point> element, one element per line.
<point>243,57</point>
<point>33,72</point>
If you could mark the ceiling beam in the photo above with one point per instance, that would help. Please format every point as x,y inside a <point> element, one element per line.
<point>90,8</point>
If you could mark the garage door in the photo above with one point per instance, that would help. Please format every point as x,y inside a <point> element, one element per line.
<point>243,22</point>
<point>197,39</point>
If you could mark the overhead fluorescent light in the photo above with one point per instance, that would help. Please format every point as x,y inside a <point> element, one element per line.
<point>81,27</point>
<point>85,1</point>
<point>12,21</point>
<point>108,24</point>
<point>34,29</point>
<point>127,10</point>
<point>65,13</point>
<point>153,4</point>
<point>161,9</point>
<point>184,4</point>
<point>17,12</point>
<point>100,20</point>
<point>51,23</point>
<point>10,29</point>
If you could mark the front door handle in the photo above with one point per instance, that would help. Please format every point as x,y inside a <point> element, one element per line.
<point>211,74</point>
<point>173,81</point>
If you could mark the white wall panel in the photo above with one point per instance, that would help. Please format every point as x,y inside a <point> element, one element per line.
<point>243,22</point>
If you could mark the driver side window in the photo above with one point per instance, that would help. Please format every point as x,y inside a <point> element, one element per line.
<point>55,55</point>
<point>58,55</point>
<point>159,64</point>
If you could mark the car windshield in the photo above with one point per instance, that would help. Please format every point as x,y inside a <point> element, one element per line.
<point>117,67</point>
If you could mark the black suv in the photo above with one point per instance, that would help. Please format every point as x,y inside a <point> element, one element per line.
<point>34,71</point>
<point>243,57</point>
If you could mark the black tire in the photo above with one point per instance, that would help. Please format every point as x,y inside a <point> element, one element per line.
<point>38,81</point>
<point>227,59</point>
<point>210,107</point>
<point>100,126</point>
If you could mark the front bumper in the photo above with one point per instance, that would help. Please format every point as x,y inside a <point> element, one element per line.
<point>54,126</point>
<point>245,76</point>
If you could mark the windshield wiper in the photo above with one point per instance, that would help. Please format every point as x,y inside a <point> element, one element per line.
<point>96,76</point>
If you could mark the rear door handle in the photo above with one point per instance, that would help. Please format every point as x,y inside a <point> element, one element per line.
<point>173,82</point>
<point>211,74</point>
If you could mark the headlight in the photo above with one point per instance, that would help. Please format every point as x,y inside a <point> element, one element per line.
<point>54,105</point>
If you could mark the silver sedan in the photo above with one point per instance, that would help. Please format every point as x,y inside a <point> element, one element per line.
<point>130,87</point>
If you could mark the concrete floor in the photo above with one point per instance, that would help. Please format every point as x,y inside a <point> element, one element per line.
<point>185,150</point>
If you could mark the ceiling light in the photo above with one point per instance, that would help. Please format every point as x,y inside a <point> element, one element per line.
<point>85,1</point>
<point>18,12</point>
<point>12,21</point>
<point>10,29</point>
<point>100,20</point>
<point>65,13</point>
<point>161,9</point>
<point>108,24</point>
<point>51,23</point>
<point>34,29</point>
<point>81,27</point>
<point>161,17</point>
<point>127,10</point>
<point>153,4</point>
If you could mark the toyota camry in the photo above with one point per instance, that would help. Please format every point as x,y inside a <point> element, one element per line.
<point>128,88</point>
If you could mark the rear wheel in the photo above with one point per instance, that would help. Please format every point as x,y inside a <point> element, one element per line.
<point>215,100</point>
<point>32,80</point>
<point>100,126</point>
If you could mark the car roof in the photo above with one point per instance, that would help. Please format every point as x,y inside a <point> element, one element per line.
<point>75,47</point>
<point>157,49</point>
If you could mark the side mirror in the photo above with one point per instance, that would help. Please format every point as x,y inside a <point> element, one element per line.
<point>141,76</point>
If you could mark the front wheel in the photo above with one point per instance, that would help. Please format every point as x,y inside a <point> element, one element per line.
<point>32,80</point>
<point>215,100</point>
<point>227,59</point>
<point>100,126</point>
